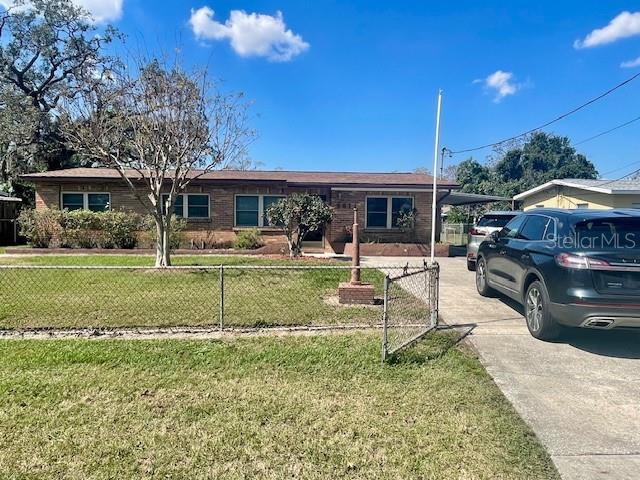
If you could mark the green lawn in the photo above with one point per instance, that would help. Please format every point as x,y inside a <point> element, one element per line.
<point>149,297</point>
<point>269,408</point>
<point>148,260</point>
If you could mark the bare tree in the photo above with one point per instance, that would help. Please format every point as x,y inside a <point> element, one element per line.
<point>161,127</point>
<point>245,164</point>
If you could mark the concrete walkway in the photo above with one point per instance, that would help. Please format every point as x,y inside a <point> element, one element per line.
<point>581,396</point>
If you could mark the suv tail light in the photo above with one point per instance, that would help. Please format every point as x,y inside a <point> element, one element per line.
<point>475,231</point>
<point>567,260</point>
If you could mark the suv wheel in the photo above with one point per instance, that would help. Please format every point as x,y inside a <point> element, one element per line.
<point>536,312</point>
<point>481,278</point>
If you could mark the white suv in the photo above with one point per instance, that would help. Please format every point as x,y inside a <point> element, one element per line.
<point>487,223</point>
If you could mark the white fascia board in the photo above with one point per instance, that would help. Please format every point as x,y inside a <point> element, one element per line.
<point>535,190</point>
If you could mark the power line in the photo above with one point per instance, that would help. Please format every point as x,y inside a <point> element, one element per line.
<point>557,119</point>
<point>621,168</point>
<point>606,131</point>
<point>619,179</point>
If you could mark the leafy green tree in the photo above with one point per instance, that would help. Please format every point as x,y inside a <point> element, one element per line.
<point>297,215</point>
<point>541,158</point>
<point>471,175</point>
<point>49,51</point>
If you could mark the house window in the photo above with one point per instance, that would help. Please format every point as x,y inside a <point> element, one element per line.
<point>377,212</point>
<point>582,205</point>
<point>400,205</point>
<point>247,211</point>
<point>383,212</point>
<point>189,205</point>
<point>73,201</point>
<point>197,206</point>
<point>96,202</point>
<point>251,210</point>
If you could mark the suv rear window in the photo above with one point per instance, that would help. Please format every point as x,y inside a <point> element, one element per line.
<point>608,233</point>
<point>497,221</point>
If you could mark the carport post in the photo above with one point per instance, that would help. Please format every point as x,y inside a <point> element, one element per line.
<point>434,200</point>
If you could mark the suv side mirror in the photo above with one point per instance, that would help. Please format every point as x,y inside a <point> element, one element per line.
<point>495,236</point>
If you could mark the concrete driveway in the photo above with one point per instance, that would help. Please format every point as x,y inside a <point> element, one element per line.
<point>581,396</point>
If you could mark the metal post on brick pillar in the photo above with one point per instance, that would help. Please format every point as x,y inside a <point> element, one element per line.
<point>355,291</point>
<point>221,297</point>
<point>355,261</point>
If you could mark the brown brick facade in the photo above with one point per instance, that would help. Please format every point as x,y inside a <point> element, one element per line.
<point>219,228</point>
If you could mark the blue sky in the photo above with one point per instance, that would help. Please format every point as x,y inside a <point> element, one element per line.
<point>353,85</point>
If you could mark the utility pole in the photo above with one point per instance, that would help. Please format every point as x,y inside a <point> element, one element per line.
<point>434,200</point>
<point>445,150</point>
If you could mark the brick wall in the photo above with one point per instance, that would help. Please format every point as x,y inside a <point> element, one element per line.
<point>344,202</point>
<point>220,226</point>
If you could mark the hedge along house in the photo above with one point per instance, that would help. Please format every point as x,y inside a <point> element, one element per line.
<point>217,205</point>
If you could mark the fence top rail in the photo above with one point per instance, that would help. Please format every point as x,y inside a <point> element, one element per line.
<point>417,268</point>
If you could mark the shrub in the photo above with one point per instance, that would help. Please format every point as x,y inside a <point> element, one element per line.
<point>42,229</point>
<point>210,240</point>
<point>121,229</point>
<point>248,240</point>
<point>80,228</point>
<point>175,234</point>
<point>407,220</point>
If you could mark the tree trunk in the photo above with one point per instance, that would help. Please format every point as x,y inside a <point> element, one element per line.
<point>290,243</point>
<point>295,246</point>
<point>163,258</point>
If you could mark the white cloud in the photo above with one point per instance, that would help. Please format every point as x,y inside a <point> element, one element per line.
<point>102,10</point>
<point>631,63</point>
<point>625,25</point>
<point>501,83</point>
<point>250,34</point>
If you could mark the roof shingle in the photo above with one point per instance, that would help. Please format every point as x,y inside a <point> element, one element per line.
<point>289,177</point>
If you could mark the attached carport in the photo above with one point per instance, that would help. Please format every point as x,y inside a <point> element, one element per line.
<point>457,199</point>
<point>456,234</point>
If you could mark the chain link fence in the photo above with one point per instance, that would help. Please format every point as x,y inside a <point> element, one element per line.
<point>224,296</point>
<point>455,233</point>
<point>410,306</point>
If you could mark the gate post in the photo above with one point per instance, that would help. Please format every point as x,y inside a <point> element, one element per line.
<point>435,293</point>
<point>221,297</point>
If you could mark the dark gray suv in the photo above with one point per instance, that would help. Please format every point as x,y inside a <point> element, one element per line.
<point>575,268</point>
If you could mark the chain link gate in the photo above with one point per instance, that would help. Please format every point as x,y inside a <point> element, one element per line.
<point>410,306</point>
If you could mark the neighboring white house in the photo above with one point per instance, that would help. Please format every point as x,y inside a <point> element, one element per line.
<point>580,193</point>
